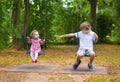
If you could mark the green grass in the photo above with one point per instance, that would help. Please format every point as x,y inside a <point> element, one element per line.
<point>105,78</point>
<point>62,78</point>
<point>54,54</point>
<point>107,55</point>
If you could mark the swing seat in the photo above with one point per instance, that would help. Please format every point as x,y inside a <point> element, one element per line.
<point>87,55</point>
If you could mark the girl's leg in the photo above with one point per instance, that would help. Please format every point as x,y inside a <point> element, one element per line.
<point>32,56</point>
<point>36,56</point>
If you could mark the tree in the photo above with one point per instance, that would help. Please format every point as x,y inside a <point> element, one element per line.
<point>16,20</point>
<point>41,16</point>
<point>26,17</point>
<point>93,4</point>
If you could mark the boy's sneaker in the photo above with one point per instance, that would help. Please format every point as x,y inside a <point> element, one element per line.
<point>75,66</point>
<point>91,68</point>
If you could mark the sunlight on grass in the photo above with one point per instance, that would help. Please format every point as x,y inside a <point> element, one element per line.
<point>105,78</point>
<point>52,78</point>
<point>108,55</point>
<point>62,78</point>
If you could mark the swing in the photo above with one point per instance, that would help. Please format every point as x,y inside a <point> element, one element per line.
<point>42,52</point>
<point>43,46</point>
<point>87,52</point>
<point>39,53</point>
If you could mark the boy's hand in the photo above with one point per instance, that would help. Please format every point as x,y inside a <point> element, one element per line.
<point>59,37</point>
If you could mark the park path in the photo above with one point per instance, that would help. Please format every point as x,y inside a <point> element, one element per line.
<point>50,73</point>
<point>55,76</point>
<point>9,76</point>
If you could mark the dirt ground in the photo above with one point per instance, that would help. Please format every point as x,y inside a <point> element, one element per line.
<point>6,76</point>
<point>63,55</point>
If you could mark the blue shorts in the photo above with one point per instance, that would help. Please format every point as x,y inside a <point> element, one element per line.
<point>84,52</point>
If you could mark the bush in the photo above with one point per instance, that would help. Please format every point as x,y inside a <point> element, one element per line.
<point>104,27</point>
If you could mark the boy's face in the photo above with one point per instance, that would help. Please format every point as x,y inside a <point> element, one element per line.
<point>86,31</point>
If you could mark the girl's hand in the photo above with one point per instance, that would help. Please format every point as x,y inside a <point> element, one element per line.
<point>28,38</point>
<point>44,40</point>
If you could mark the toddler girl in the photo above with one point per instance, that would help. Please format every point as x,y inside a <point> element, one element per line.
<point>36,43</point>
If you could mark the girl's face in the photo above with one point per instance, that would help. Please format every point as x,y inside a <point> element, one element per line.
<point>36,35</point>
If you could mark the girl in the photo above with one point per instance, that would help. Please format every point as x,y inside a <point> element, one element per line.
<point>36,43</point>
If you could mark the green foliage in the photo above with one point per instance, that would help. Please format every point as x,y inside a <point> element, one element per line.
<point>68,17</point>
<point>5,29</point>
<point>52,18</point>
<point>41,15</point>
<point>104,26</point>
<point>115,36</point>
<point>105,19</point>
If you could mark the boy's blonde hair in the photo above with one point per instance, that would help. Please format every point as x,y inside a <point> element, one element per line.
<point>85,25</point>
<point>32,33</point>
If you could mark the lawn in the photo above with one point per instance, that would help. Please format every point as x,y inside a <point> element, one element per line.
<point>107,55</point>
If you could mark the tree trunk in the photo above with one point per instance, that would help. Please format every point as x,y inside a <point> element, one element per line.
<point>16,19</point>
<point>93,15</point>
<point>26,14</point>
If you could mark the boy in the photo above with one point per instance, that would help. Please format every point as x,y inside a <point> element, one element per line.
<point>86,39</point>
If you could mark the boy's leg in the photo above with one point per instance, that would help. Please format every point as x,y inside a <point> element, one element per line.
<point>78,61</point>
<point>78,58</point>
<point>92,55</point>
<point>79,55</point>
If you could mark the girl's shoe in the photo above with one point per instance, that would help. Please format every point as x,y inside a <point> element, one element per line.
<point>75,66</point>
<point>35,61</point>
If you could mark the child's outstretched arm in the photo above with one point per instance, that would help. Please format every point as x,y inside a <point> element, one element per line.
<point>96,38</point>
<point>66,35</point>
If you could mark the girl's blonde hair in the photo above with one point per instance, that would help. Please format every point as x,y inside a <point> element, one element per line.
<point>85,25</point>
<point>32,33</point>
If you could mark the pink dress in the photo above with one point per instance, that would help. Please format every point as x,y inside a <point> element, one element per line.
<point>35,45</point>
